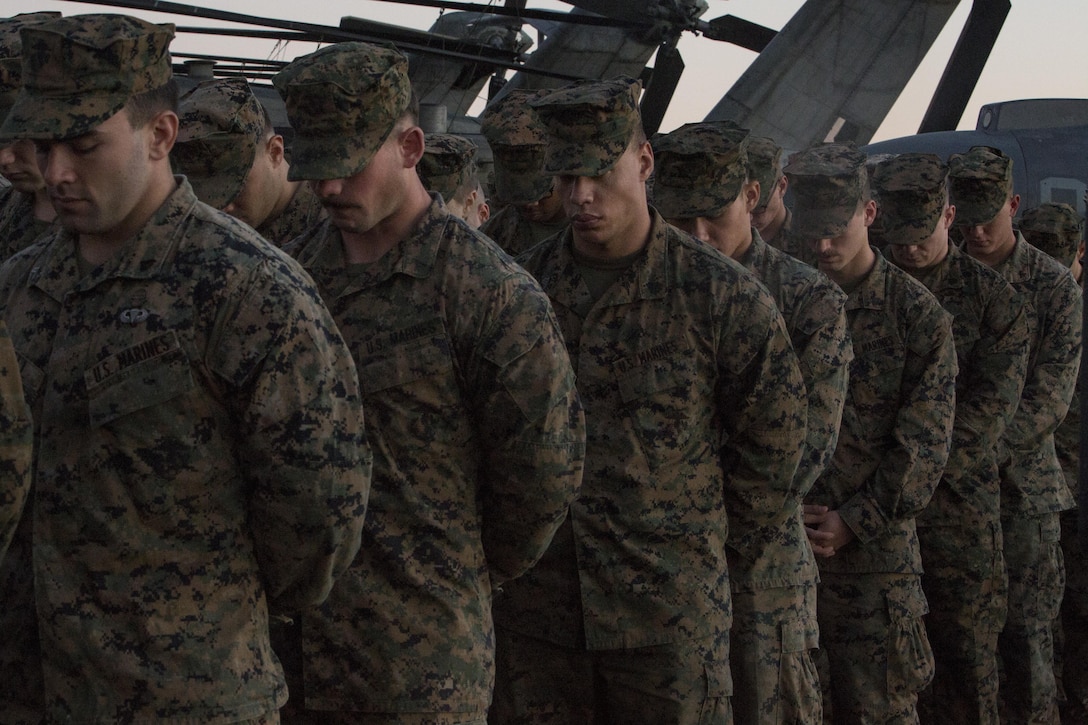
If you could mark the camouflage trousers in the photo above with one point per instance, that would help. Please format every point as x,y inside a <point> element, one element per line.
<point>1071,631</point>
<point>967,590</point>
<point>541,683</point>
<point>878,654</point>
<point>1036,581</point>
<point>770,655</point>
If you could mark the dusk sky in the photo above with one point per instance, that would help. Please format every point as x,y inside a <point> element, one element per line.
<point>1042,51</point>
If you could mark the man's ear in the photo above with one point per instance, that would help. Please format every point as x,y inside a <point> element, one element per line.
<point>163,132</point>
<point>411,143</point>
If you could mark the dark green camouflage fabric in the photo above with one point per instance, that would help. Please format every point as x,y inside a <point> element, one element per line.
<point>447,163</point>
<point>991,327</point>
<point>16,443</point>
<point>342,102</point>
<point>699,169</point>
<point>828,182</point>
<point>960,529</point>
<point>518,142</point>
<point>11,60</point>
<point>221,123</point>
<point>873,634</point>
<point>695,425</point>
<point>1031,477</point>
<point>200,461</point>
<point>590,124</point>
<point>764,166</point>
<point>301,214</point>
<point>896,425</point>
<point>81,70</point>
<point>912,194</point>
<point>774,587</point>
<point>18,225</point>
<point>479,441</point>
<point>1053,228</point>
<point>516,234</point>
<point>979,183</point>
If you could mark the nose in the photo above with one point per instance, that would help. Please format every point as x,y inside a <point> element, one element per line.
<point>971,232</point>
<point>327,188</point>
<point>821,245</point>
<point>579,189</point>
<point>7,155</point>
<point>55,163</point>
<point>701,229</point>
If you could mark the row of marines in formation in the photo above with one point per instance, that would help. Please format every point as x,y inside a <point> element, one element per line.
<point>658,470</point>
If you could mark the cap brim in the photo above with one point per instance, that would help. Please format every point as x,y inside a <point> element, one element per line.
<point>973,214</point>
<point>520,188</point>
<point>674,203</point>
<point>318,159</point>
<point>820,223</point>
<point>574,159</point>
<point>39,118</point>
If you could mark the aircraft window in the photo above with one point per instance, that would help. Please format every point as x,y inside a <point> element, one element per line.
<point>1063,191</point>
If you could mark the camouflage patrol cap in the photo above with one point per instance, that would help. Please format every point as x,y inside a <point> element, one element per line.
<point>221,124</point>
<point>518,142</point>
<point>447,163</point>
<point>979,182</point>
<point>828,182</point>
<point>764,166</point>
<point>1054,228</point>
<point>11,52</point>
<point>342,101</point>
<point>590,124</point>
<point>699,169</point>
<point>81,70</point>
<point>912,192</point>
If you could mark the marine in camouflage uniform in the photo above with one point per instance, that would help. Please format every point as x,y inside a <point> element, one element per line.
<point>1057,230</point>
<point>16,442</point>
<point>703,184</point>
<point>199,459</point>
<point>477,428</point>
<point>695,423</point>
<point>960,530</point>
<point>1033,490</point>
<point>448,167</point>
<point>532,211</point>
<point>25,209</point>
<point>234,159</point>
<point>893,443</point>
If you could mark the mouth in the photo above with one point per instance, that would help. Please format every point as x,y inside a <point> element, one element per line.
<point>584,221</point>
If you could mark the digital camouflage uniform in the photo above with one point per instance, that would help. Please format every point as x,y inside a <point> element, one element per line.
<point>223,376</point>
<point>1033,490</point>
<point>302,213</point>
<point>473,415</point>
<point>198,450</point>
<point>893,444</point>
<point>18,225</point>
<point>698,169</point>
<point>695,423</point>
<point>960,530</point>
<point>16,442</point>
<point>1057,230</point>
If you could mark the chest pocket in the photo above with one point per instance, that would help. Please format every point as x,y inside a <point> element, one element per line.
<point>658,398</point>
<point>140,377</point>
<point>876,377</point>
<point>410,391</point>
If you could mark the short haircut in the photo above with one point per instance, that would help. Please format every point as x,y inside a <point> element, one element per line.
<point>144,106</point>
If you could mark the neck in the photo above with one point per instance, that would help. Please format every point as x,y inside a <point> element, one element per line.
<point>371,245</point>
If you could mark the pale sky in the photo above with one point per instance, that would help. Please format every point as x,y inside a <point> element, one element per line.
<point>1042,51</point>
